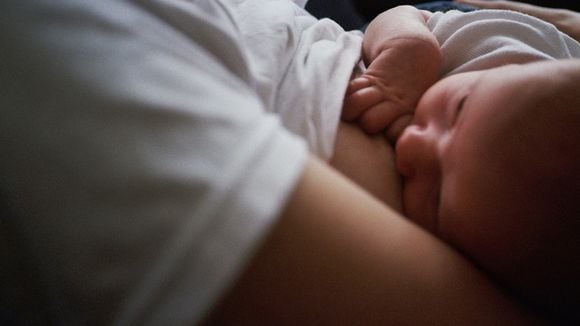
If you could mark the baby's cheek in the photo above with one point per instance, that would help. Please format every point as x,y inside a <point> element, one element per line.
<point>479,230</point>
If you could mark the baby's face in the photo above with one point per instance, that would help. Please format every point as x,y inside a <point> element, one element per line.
<point>465,156</point>
<point>447,145</point>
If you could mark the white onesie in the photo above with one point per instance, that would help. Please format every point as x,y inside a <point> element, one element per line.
<point>486,39</point>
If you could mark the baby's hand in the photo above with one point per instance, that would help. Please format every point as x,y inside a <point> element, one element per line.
<point>403,59</point>
<point>385,96</point>
<point>377,107</point>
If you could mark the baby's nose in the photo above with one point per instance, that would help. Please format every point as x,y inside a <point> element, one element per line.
<point>416,151</point>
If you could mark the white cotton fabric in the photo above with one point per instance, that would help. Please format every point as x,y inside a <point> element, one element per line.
<point>301,67</point>
<point>143,160</point>
<point>300,3</point>
<point>486,39</point>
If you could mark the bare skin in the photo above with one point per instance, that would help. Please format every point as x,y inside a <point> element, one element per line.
<point>403,61</point>
<point>338,256</point>
<point>491,165</point>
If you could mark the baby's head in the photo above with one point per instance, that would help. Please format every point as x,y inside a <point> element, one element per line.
<point>491,164</point>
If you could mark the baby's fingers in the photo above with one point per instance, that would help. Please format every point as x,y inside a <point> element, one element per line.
<point>356,84</point>
<point>383,115</point>
<point>359,101</point>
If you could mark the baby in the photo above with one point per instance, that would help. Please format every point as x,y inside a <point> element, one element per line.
<point>491,164</point>
<point>490,160</point>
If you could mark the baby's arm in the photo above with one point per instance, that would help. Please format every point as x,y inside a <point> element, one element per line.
<point>403,60</point>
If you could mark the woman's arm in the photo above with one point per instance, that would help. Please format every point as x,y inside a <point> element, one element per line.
<point>340,257</point>
<point>567,21</point>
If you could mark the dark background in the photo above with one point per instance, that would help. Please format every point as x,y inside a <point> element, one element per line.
<point>353,14</point>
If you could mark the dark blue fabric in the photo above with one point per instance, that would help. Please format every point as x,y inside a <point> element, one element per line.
<point>444,6</point>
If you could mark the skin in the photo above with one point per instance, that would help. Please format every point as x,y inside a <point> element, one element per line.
<point>439,190</point>
<point>338,256</point>
<point>403,60</point>
<point>350,259</point>
<point>490,164</point>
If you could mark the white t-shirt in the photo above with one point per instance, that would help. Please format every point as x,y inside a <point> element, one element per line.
<point>143,158</point>
<point>301,66</point>
<point>486,39</point>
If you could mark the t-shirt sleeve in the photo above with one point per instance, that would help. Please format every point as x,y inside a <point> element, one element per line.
<point>140,171</point>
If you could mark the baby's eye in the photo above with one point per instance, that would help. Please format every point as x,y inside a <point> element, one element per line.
<point>459,109</point>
